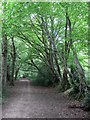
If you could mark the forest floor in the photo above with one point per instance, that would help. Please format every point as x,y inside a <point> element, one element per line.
<point>28,101</point>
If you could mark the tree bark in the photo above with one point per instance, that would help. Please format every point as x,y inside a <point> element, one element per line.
<point>16,72</point>
<point>65,53</point>
<point>13,62</point>
<point>4,60</point>
<point>83,84</point>
<point>54,49</point>
<point>8,73</point>
<point>49,52</point>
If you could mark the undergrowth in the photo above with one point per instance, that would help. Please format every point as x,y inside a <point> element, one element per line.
<point>5,94</point>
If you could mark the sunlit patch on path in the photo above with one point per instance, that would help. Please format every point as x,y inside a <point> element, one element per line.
<point>24,80</point>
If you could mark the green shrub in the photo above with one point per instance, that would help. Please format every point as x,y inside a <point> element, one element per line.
<point>5,94</point>
<point>44,76</point>
<point>86,100</point>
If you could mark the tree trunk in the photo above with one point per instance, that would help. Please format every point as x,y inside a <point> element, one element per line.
<point>49,51</point>
<point>65,53</point>
<point>83,84</point>
<point>13,62</point>
<point>4,60</point>
<point>16,72</point>
<point>8,73</point>
<point>54,50</point>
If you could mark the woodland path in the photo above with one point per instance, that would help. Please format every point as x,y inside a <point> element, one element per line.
<point>27,101</point>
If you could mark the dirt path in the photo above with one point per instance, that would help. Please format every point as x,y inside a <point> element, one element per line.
<point>26,101</point>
